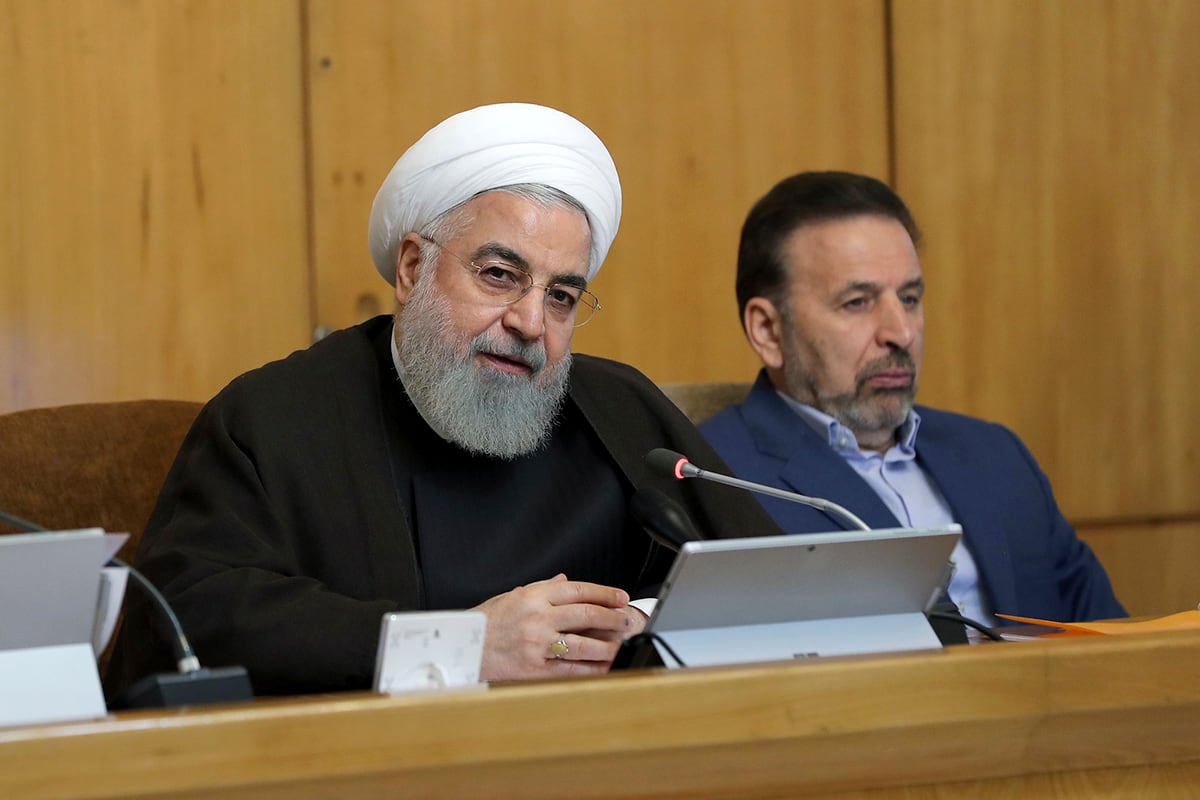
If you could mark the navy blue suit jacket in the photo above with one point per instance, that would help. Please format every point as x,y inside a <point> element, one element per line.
<point>1030,561</point>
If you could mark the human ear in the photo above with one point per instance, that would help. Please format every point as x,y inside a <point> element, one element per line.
<point>763,324</point>
<point>408,259</point>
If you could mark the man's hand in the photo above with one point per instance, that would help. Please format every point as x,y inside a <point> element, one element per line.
<point>524,625</point>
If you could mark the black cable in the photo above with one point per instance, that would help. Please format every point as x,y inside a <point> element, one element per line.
<point>185,658</point>
<point>970,623</point>
<point>645,637</point>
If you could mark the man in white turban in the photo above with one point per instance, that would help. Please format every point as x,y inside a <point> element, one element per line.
<point>486,148</point>
<point>452,455</point>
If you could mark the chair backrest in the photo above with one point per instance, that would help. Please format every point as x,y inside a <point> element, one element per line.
<point>90,464</point>
<point>701,400</point>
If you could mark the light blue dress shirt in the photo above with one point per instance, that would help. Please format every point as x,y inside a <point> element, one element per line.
<point>906,489</point>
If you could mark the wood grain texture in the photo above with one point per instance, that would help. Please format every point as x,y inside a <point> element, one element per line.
<point>1110,716</point>
<point>1048,149</point>
<point>1153,566</point>
<point>154,215</point>
<point>704,105</point>
<point>152,218</point>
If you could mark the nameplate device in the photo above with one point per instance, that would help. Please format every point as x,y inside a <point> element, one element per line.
<point>429,650</point>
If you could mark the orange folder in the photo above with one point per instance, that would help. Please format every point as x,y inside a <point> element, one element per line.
<point>1179,621</point>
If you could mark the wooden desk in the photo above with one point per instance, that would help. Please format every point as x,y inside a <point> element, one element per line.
<point>1086,717</point>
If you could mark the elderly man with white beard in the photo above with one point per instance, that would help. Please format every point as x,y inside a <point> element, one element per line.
<point>453,455</point>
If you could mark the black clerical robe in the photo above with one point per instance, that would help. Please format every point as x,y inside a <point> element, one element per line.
<point>282,535</point>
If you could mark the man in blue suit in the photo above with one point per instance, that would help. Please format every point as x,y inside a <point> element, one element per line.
<point>830,292</point>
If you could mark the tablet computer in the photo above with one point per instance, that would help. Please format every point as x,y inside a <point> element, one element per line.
<point>49,586</point>
<point>802,595</point>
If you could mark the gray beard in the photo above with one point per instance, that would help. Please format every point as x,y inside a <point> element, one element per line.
<point>863,411</point>
<point>482,410</point>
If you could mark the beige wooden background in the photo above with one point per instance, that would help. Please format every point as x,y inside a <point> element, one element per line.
<point>184,187</point>
<point>1050,151</point>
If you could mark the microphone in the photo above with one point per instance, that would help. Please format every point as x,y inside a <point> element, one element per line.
<point>677,464</point>
<point>668,461</point>
<point>193,684</point>
<point>663,518</point>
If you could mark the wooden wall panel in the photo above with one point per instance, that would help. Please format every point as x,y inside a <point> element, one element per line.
<point>1152,565</point>
<point>1049,150</point>
<point>152,216</point>
<point>703,103</point>
<point>155,218</point>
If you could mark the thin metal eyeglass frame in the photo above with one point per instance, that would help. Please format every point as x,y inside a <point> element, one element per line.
<point>471,266</point>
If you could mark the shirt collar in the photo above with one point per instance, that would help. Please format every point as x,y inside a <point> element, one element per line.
<point>843,440</point>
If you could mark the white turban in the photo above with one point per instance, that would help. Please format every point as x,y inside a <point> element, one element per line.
<point>490,147</point>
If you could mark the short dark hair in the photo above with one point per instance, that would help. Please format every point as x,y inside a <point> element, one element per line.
<point>799,200</point>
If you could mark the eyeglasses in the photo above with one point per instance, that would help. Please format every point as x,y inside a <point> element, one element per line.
<point>504,284</point>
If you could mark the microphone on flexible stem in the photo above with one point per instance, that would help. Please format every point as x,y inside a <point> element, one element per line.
<point>193,684</point>
<point>677,464</point>
<point>663,518</point>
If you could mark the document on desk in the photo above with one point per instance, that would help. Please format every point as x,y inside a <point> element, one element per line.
<point>113,581</point>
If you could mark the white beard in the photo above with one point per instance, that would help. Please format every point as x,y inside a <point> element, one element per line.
<point>482,410</point>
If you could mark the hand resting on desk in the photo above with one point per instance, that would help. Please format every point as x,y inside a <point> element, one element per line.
<point>525,623</point>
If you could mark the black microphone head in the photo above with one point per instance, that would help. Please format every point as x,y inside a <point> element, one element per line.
<point>663,518</point>
<point>665,461</point>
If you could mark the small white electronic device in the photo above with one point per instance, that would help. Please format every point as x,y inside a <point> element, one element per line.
<point>429,650</point>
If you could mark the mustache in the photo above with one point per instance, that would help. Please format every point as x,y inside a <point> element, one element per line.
<point>899,359</point>
<point>531,353</point>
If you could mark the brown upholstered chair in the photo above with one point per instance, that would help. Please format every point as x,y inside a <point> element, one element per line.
<point>91,464</point>
<point>701,400</point>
